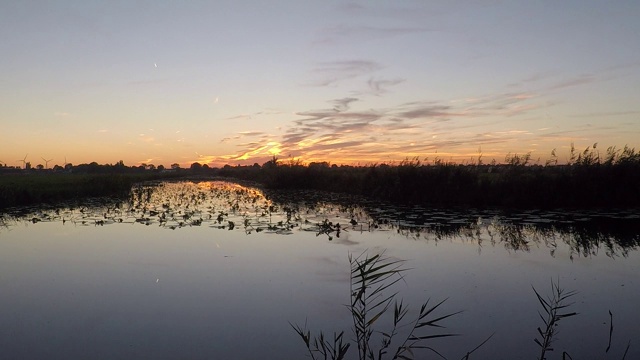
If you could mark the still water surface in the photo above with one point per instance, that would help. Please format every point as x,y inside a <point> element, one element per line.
<point>216,270</point>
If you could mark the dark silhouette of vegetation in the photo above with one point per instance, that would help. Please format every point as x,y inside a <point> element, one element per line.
<point>372,297</point>
<point>587,180</point>
<point>374,300</point>
<point>35,186</point>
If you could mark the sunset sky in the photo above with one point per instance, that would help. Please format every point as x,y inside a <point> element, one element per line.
<point>236,82</point>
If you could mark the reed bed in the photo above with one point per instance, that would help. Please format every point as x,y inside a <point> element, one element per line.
<point>588,180</point>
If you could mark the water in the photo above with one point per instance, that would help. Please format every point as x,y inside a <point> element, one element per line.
<point>218,270</point>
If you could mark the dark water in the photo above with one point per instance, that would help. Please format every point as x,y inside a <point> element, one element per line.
<point>218,270</point>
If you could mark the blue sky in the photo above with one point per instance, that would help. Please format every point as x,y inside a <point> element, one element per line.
<point>346,82</point>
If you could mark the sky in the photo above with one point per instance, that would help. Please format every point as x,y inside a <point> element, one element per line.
<point>347,82</point>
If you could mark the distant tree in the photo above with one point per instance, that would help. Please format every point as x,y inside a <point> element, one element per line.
<point>256,165</point>
<point>271,163</point>
<point>206,166</point>
<point>196,166</point>
<point>58,168</point>
<point>161,167</point>
<point>40,167</point>
<point>93,167</point>
<point>319,165</point>
<point>175,166</point>
<point>68,166</point>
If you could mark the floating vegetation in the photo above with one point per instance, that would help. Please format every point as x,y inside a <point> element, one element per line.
<point>232,207</point>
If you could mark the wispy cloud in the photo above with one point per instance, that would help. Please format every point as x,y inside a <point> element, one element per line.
<point>343,104</point>
<point>347,132</point>
<point>575,81</point>
<point>332,72</point>
<point>251,133</point>
<point>239,117</point>
<point>433,111</point>
<point>380,86</point>
<point>534,78</point>
<point>606,114</point>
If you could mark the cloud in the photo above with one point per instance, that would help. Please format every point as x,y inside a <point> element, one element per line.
<point>427,112</point>
<point>251,133</point>
<point>606,114</point>
<point>347,133</point>
<point>239,117</point>
<point>332,72</point>
<point>532,79</point>
<point>576,81</point>
<point>343,104</point>
<point>379,87</point>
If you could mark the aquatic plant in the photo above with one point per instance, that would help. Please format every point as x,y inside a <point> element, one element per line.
<point>554,307</point>
<point>373,297</point>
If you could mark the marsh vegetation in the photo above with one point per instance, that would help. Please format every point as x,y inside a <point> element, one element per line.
<point>586,179</point>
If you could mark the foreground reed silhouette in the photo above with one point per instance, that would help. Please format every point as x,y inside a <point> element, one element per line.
<point>373,296</point>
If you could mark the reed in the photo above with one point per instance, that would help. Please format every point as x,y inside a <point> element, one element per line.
<point>554,308</point>
<point>588,179</point>
<point>373,297</point>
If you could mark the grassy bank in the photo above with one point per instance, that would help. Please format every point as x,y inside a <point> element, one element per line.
<point>32,188</point>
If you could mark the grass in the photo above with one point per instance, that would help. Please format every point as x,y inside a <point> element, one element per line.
<point>589,179</point>
<point>373,297</point>
<point>553,308</point>
<point>30,189</point>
